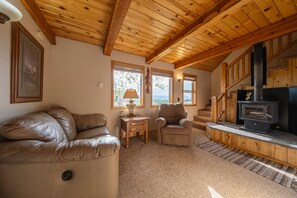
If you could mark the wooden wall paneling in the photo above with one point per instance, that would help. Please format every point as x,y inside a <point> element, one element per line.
<point>243,67</point>
<point>270,78</point>
<point>292,156</point>
<point>280,153</point>
<point>292,63</point>
<point>289,38</point>
<point>285,77</point>
<point>277,78</point>
<point>267,150</point>
<point>236,71</point>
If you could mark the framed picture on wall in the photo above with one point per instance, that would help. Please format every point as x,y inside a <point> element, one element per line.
<point>26,66</point>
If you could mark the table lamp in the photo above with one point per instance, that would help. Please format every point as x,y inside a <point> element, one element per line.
<point>131,93</point>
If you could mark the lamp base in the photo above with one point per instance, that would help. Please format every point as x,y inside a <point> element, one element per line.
<point>131,115</point>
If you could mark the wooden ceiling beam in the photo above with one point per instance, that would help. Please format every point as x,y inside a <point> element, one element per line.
<point>271,31</point>
<point>120,10</point>
<point>218,11</point>
<point>38,17</point>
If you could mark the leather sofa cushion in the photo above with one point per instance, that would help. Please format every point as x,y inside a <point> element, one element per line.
<point>91,133</point>
<point>65,119</point>
<point>34,126</point>
<point>172,113</point>
<point>89,121</point>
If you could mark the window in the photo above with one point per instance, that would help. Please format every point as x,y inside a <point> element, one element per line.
<point>162,87</point>
<point>189,89</point>
<point>126,76</point>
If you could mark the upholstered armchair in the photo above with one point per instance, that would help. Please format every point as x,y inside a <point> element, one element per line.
<point>172,126</point>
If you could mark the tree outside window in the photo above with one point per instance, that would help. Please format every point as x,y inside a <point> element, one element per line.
<point>161,87</point>
<point>126,76</point>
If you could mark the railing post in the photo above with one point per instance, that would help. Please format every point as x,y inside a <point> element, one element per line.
<point>214,109</point>
<point>224,89</point>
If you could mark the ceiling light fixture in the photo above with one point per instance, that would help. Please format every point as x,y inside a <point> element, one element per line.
<point>9,12</point>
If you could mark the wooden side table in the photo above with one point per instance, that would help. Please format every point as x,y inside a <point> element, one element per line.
<point>133,126</point>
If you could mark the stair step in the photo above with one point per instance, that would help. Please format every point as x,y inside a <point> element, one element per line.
<point>204,112</point>
<point>208,107</point>
<point>199,125</point>
<point>202,118</point>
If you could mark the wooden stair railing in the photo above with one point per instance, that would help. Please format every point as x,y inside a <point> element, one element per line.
<point>240,69</point>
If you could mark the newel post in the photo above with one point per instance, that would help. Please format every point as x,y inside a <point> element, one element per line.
<point>224,78</point>
<point>214,109</point>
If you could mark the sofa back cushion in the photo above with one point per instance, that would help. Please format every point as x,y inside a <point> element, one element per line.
<point>34,126</point>
<point>172,113</point>
<point>65,119</point>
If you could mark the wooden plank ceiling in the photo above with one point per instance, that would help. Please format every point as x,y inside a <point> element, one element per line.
<point>196,33</point>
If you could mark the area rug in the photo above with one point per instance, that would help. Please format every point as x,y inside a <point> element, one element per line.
<point>278,173</point>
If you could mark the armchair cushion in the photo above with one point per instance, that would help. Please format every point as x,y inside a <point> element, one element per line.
<point>65,119</point>
<point>172,113</point>
<point>175,129</point>
<point>34,126</point>
<point>89,121</point>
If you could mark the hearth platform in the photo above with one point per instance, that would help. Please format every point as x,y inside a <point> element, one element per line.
<point>276,146</point>
<point>277,137</point>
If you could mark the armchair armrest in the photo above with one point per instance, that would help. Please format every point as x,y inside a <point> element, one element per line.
<point>185,123</point>
<point>32,151</point>
<point>161,122</point>
<point>89,121</point>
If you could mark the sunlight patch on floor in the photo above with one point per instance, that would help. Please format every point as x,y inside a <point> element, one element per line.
<point>213,193</point>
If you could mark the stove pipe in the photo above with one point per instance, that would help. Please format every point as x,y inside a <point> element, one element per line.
<point>258,72</point>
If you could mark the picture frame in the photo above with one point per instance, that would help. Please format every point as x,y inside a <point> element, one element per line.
<point>27,59</point>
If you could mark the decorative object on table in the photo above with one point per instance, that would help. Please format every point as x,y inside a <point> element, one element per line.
<point>9,12</point>
<point>147,81</point>
<point>131,93</point>
<point>26,66</point>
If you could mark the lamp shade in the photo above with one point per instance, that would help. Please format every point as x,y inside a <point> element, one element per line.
<point>8,12</point>
<point>131,93</point>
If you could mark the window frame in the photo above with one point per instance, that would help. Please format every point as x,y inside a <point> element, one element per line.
<point>130,66</point>
<point>189,77</point>
<point>167,73</point>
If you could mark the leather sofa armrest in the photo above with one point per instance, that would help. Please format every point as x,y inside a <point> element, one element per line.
<point>31,151</point>
<point>185,123</point>
<point>89,121</point>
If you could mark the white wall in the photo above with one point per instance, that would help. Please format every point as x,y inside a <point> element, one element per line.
<point>77,67</point>
<point>8,110</point>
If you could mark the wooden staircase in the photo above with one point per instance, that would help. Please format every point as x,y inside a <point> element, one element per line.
<point>204,116</point>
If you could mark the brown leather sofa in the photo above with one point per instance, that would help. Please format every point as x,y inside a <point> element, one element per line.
<point>56,154</point>
<point>172,126</point>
